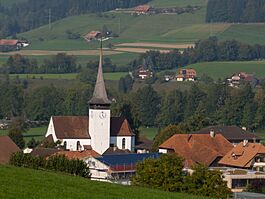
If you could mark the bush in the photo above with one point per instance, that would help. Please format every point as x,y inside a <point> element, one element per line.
<point>55,163</point>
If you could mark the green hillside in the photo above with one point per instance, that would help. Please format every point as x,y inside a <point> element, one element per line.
<point>26,183</point>
<point>10,2</point>
<point>161,28</point>
<point>226,69</point>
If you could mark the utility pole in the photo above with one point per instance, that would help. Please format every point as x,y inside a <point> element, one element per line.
<point>119,26</point>
<point>50,18</point>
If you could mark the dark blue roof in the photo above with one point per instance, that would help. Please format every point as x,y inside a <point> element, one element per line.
<point>126,159</point>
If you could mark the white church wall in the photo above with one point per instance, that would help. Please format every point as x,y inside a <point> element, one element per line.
<point>117,141</point>
<point>71,144</point>
<point>99,129</point>
<point>51,131</point>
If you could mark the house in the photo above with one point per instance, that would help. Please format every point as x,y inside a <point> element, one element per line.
<point>144,73</point>
<point>7,148</point>
<point>143,145</point>
<point>142,9</point>
<point>237,78</point>
<point>116,168</point>
<point>93,35</point>
<point>246,155</point>
<point>187,75</point>
<point>180,78</point>
<point>98,131</point>
<point>246,162</point>
<point>233,134</point>
<point>205,149</point>
<point>13,44</point>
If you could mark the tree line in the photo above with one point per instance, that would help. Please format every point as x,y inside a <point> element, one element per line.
<point>243,11</point>
<point>205,50</point>
<point>201,104</point>
<point>27,15</point>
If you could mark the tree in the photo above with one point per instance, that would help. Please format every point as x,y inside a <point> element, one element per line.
<point>165,134</point>
<point>206,182</point>
<point>32,143</point>
<point>18,127</point>
<point>164,173</point>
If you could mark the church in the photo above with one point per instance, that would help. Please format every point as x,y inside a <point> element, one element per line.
<point>98,131</point>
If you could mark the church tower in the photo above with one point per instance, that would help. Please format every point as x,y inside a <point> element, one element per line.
<point>99,113</point>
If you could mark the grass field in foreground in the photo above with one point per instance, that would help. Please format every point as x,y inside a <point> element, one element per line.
<point>27,183</point>
<point>225,69</point>
<point>37,133</point>
<point>68,76</point>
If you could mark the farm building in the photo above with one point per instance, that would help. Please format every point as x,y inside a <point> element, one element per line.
<point>233,134</point>
<point>187,75</point>
<point>236,79</point>
<point>12,44</point>
<point>144,73</point>
<point>205,149</point>
<point>116,168</point>
<point>93,35</point>
<point>7,147</point>
<point>142,9</point>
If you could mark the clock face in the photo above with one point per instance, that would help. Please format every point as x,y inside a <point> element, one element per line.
<point>102,115</point>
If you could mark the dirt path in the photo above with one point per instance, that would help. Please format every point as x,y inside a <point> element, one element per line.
<point>156,45</point>
<point>47,52</point>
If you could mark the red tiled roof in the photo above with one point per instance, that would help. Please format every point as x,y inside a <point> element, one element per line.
<point>78,154</point>
<point>43,152</point>
<point>7,147</point>
<point>93,34</point>
<point>77,127</point>
<point>142,8</point>
<point>198,148</point>
<point>241,156</point>
<point>8,42</point>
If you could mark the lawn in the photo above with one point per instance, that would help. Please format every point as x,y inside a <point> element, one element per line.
<point>37,133</point>
<point>179,3</point>
<point>27,183</point>
<point>149,133</point>
<point>226,69</point>
<point>68,76</point>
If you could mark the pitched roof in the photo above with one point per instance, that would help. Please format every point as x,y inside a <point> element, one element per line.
<point>72,127</point>
<point>43,152</point>
<point>100,95</point>
<point>198,148</point>
<point>78,154</point>
<point>7,147</point>
<point>241,155</point>
<point>229,132</point>
<point>125,161</point>
<point>115,150</point>
<point>119,126</point>
<point>77,127</point>
<point>8,42</point>
<point>142,8</point>
<point>144,143</point>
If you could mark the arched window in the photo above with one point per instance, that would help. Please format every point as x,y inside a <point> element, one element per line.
<point>123,143</point>
<point>64,144</point>
<point>78,146</point>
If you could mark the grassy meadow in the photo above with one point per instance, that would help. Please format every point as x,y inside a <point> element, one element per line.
<point>37,133</point>
<point>225,69</point>
<point>15,183</point>
<point>149,132</point>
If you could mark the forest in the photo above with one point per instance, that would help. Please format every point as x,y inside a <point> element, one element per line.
<point>236,11</point>
<point>202,104</point>
<point>32,14</point>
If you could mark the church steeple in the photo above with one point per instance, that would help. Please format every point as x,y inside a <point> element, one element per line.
<point>100,95</point>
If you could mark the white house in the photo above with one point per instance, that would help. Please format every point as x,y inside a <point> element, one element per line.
<point>98,131</point>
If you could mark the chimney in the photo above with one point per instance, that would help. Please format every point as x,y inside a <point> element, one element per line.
<point>212,133</point>
<point>244,128</point>
<point>245,142</point>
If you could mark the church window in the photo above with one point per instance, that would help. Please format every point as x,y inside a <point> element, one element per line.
<point>78,146</point>
<point>123,143</point>
<point>64,144</point>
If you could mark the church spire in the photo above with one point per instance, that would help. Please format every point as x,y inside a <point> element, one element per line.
<point>100,95</point>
